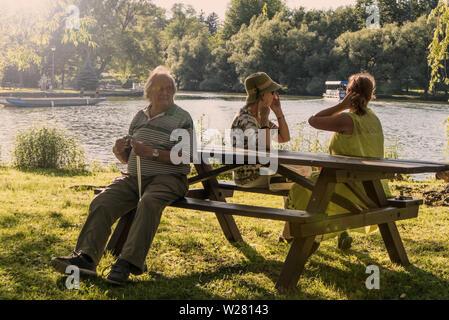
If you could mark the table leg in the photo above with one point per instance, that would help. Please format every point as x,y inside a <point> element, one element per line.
<point>393,242</point>
<point>389,231</point>
<point>301,246</point>
<point>227,222</point>
<point>295,262</point>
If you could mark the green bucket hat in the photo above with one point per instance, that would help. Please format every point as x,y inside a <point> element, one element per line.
<point>257,84</point>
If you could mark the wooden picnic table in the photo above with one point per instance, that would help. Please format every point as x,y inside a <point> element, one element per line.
<point>304,225</point>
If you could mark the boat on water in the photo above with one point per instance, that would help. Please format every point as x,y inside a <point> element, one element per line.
<point>335,90</point>
<point>54,102</point>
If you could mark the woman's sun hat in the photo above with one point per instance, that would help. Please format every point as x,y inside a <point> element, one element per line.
<point>257,84</point>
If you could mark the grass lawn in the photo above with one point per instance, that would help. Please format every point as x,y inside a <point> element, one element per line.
<point>41,217</point>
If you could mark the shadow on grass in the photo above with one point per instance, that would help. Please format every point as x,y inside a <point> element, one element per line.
<point>351,278</point>
<point>55,172</point>
<point>425,245</point>
<point>28,268</point>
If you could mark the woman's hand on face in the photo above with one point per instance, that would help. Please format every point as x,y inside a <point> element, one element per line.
<point>276,104</point>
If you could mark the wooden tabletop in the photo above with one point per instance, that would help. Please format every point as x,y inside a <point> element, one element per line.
<point>229,156</point>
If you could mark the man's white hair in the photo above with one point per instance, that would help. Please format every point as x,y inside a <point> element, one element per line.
<point>160,70</point>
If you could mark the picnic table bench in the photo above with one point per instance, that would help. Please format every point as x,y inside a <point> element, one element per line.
<point>304,225</point>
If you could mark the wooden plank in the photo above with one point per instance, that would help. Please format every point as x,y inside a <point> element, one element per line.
<point>389,230</point>
<point>333,162</point>
<point>393,242</point>
<point>296,177</point>
<point>351,176</point>
<point>202,194</point>
<point>230,185</point>
<point>308,184</point>
<point>225,208</point>
<point>212,173</point>
<point>343,222</point>
<point>405,203</point>
<point>376,192</point>
<point>322,192</point>
<point>294,263</point>
<point>227,222</point>
<point>362,196</point>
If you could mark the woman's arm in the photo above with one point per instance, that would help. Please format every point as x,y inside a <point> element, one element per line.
<point>284,132</point>
<point>332,119</point>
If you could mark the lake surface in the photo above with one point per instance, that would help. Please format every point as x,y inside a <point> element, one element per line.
<point>418,127</point>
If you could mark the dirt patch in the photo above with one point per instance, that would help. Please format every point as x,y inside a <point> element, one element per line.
<point>437,198</point>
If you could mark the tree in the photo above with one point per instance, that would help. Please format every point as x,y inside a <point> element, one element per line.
<point>121,34</point>
<point>240,12</point>
<point>394,11</point>
<point>212,23</point>
<point>440,43</point>
<point>25,34</point>
<point>275,47</point>
<point>188,58</point>
<point>87,77</point>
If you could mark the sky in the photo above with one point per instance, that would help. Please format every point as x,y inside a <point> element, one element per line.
<point>219,6</point>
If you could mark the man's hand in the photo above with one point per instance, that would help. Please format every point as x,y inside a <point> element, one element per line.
<point>140,149</point>
<point>120,146</point>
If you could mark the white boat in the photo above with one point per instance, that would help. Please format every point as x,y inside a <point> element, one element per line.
<point>54,102</point>
<point>335,90</point>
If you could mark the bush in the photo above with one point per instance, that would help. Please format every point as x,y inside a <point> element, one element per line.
<point>47,148</point>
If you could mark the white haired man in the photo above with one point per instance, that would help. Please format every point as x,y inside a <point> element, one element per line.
<point>162,183</point>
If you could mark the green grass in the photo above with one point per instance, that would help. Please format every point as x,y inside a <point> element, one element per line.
<point>41,217</point>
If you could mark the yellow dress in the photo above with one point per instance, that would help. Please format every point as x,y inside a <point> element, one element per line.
<point>367,140</point>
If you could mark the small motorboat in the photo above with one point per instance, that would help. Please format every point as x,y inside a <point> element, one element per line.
<point>335,90</point>
<point>54,102</point>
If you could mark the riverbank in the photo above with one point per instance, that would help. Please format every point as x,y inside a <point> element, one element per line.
<point>33,93</point>
<point>41,216</point>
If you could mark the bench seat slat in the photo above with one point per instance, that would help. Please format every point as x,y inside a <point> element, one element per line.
<point>248,211</point>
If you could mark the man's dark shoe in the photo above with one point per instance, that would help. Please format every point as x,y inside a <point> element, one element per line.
<point>344,241</point>
<point>80,260</point>
<point>136,271</point>
<point>119,273</point>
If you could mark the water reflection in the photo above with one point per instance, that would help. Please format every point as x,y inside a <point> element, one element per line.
<point>418,127</point>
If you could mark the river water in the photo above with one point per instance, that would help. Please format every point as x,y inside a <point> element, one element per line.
<point>418,128</point>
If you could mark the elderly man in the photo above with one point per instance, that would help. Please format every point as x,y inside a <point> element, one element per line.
<point>162,183</point>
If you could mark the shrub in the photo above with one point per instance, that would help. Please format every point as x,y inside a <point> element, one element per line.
<point>47,148</point>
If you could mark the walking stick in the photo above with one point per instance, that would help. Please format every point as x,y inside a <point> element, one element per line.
<point>139,171</point>
<point>139,177</point>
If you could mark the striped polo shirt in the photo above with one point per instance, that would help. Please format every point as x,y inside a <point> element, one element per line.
<point>155,132</point>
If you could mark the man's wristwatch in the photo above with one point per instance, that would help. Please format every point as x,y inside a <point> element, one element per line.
<point>155,154</point>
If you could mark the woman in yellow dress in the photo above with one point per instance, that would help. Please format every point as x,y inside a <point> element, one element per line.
<point>358,133</point>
